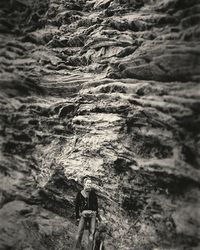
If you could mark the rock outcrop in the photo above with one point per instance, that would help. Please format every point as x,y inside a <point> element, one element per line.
<point>109,89</point>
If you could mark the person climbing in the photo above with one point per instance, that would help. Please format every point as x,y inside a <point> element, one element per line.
<point>86,206</point>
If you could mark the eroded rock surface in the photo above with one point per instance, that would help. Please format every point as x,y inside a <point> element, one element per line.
<point>110,89</point>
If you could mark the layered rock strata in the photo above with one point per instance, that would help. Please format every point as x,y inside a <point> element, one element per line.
<point>109,89</point>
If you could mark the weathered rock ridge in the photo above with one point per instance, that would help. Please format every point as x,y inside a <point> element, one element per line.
<point>109,89</point>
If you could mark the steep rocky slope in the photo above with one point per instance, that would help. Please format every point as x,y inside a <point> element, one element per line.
<point>110,89</point>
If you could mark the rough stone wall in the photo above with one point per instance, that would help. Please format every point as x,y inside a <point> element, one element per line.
<point>106,88</point>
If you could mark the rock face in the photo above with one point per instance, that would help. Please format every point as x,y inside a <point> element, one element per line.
<point>109,89</point>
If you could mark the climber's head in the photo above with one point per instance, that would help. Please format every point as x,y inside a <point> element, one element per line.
<point>87,184</point>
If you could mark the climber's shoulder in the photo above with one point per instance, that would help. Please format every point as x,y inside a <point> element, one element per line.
<point>78,195</point>
<point>93,192</point>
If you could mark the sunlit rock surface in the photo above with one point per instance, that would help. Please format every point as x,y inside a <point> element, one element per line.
<point>108,89</point>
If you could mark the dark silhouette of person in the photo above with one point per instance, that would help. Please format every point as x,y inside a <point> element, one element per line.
<point>86,206</point>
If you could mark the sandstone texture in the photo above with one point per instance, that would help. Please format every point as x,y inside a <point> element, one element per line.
<point>109,89</point>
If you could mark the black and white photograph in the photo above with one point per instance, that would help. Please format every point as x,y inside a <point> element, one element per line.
<point>99,124</point>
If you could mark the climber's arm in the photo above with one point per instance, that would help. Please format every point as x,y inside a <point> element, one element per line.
<point>97,208</point>
<point>77,204</point>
